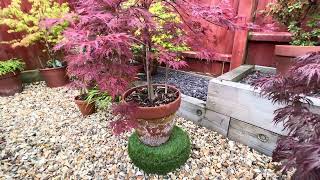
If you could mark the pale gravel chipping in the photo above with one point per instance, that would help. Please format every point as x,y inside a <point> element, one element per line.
<point>43,136</point>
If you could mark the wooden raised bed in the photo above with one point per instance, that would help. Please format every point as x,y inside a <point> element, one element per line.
<point>250,115</point>
<point>237,111</point>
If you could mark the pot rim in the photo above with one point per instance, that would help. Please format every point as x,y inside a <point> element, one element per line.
<point>49,69</point>
<point>157,107</point>
<point>9,74</point>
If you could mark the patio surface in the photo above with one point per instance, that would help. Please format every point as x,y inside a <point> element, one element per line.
<point>44,136</point>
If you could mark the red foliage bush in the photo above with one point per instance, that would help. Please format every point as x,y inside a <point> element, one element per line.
<point>301,148</point>
<point>98,42</point>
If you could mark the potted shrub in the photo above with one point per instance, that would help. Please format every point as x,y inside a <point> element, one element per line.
<point>89,100</point>
<point>103,35</point>
<point>302,19</point>
<point>86,107</point>
<point>297,89</point>
<point>34,24</point>
<point>10,82</point>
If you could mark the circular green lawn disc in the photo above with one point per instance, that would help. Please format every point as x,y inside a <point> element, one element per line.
<point>161,159</point>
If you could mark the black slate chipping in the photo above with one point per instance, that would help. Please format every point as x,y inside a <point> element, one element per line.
<point>255,75</point>
<point>188,84</point>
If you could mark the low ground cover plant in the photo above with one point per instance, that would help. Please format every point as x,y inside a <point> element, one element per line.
<point>11,65</point>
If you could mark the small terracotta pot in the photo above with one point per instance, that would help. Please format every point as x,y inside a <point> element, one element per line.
<point>10,84</point>
<point>85,108</point>
<point>155,123</point>
<point>285,55</point>
<point>55,77</point>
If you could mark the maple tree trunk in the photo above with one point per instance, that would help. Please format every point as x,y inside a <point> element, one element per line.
<point>149,80</point>
<point>166,79</point>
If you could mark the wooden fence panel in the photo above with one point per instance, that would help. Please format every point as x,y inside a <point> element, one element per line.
<point>220,39</point>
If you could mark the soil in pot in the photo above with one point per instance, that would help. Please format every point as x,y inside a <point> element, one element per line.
<point>55,77</point>
<point>10,84</point>
<point>140,96</point>
<point>84,107</point>
<point>157,118</point>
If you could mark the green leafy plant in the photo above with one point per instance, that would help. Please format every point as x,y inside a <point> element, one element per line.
<point>302,18</point>
<point>36,24</point>
<point>11,65</point>
<point>54,63</point>
<point>102,99</point>
<point>162,38</point>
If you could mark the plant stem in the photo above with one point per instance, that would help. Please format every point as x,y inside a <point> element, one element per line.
<point>149,81</point>
<point>166,79</point>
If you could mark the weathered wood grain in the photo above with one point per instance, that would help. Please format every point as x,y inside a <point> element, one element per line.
<point>259,139</point>
<point>237,74</point>
<point>216,122</point>
<point>242,102</point>
<point>194,110</point>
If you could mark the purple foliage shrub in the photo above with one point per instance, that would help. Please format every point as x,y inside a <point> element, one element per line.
<point>300,149</point>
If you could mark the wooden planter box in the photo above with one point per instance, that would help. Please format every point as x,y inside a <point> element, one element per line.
<point>250,115</point>
<point>237,111</point>
<point>285,55</point>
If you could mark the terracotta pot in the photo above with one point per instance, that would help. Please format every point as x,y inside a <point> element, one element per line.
<point>285,55</point>
<point>85,108</point>
<point>155,123</point>
<point>55,77</point>
<point>10,84</point>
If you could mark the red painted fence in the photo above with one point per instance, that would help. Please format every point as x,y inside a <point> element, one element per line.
<point>232,45</point>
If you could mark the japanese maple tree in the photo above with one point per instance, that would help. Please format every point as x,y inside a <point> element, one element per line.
<point>300,149</point>
<point>98,43</point>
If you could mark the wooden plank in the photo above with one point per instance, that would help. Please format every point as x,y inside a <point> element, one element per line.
<point>237,74</point>
<point>257,138</point>
<point>191,109</point>
<point>266,69</point>
<point>216,122</point>
<point>246,9</point>
<point>194,110</point>
<point>240,101</point>
<point>270,36</point>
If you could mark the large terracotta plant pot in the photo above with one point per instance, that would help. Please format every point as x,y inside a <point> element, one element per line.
<point>84,107</point>
<point>155,123</point>
<point>10,84</point>
<point>285,55</point>
<point>55,77</point>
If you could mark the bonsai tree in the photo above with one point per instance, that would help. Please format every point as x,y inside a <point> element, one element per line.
<point>300,149</point>
<point>102,36</point>
<point>301,17</point>
<point>31,25</point>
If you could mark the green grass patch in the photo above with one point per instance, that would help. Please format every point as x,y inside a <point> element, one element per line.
<point>162,159</point>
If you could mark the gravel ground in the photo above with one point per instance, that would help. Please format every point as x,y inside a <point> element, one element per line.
<point>190,85</point>
<point>43,136</point>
